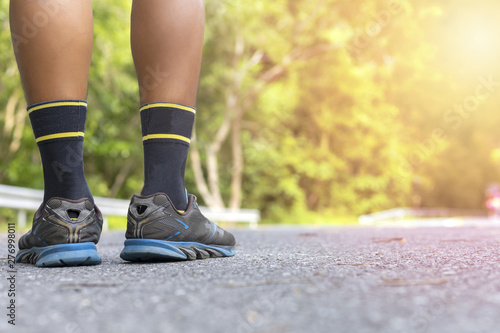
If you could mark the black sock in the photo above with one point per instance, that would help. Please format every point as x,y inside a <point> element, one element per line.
<point>166,131</point>
<point>59,128</point>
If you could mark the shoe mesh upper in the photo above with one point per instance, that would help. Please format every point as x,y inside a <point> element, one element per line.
<point>163,222</point>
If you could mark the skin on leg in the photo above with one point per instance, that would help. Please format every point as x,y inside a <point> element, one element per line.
<point>52,42</point>
<point>167,43</point>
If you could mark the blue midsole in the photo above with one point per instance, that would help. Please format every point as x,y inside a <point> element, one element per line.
<point>145,245</point>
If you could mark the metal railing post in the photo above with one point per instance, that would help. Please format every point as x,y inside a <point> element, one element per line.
<point>22,217</point>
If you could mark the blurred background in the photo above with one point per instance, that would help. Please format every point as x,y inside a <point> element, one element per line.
<point>310,111</point>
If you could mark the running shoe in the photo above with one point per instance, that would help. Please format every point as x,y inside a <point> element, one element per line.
<point>64,233</point>
<point>156,231</point>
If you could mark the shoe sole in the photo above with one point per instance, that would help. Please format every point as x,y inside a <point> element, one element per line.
<point>147,250</point>
<point>61,255</point>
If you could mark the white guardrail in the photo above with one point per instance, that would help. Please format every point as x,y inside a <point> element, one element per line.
<point>26,199</point>
<point>390,214</point>
<point>398,214</point>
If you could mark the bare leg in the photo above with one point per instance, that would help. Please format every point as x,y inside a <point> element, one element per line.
<point>167,38</point>
<point>167,42</point>
<point>53,46</point>
<point>52,42</point>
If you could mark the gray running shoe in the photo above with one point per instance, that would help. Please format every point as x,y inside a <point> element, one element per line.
<point>156,231</point>
<point>64,233</point>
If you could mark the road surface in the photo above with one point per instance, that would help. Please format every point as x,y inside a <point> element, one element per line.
<point>288,279</point>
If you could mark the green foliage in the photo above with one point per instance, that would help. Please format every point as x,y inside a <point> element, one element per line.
<point>7,216</point>
<point>117,222</point>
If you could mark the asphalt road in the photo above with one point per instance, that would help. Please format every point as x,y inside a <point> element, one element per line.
<point>281,280</point>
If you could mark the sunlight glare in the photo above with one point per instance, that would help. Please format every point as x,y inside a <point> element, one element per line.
<point>475,40</point>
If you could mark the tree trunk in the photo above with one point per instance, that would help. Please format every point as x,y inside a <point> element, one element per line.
<point>237,150</point>
<point>199,178</point>
<point>121,177</point>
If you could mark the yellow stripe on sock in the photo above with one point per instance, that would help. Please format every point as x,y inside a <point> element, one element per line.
<point>60,135</point>
<point>166,136</point>
<point>168,105</point>
<point>48,105</point>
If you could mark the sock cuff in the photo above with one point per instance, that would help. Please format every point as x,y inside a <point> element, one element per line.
<point>58,120</point>
<point>167,105</point>
<point>167,122</point>
<point>56,104</point>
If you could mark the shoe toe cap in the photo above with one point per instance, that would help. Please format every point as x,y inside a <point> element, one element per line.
<point>225,238</point>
